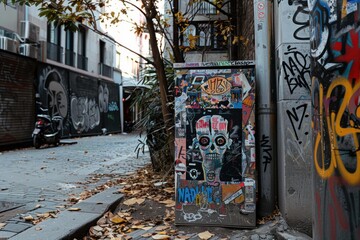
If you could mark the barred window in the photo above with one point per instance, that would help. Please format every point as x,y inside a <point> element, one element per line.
<point>202,8</point>
<point>208,35</point>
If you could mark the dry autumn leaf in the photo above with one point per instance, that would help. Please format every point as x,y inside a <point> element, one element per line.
<point>162,228</point>
<point>117,220</point>
<point>133,201</point>
<point>74,209</point>
<point>2,225</point>
<point>168,203</point>
<point>161,236</point>
<point>147,235</point>
<point>205,235</point>
<point>28,218</point>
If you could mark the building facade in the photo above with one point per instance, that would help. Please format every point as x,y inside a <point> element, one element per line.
<point>72,74</point>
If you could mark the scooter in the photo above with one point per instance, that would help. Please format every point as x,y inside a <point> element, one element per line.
<point>46,130</point>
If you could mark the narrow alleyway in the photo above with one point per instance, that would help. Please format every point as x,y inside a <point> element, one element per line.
<point>32,178</point>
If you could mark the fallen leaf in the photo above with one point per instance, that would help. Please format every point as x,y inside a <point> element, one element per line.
<point>117,219</point>
<point>162,228</point>
<point>38,228</point>
<point>147,228</point>
<point>168,203</point>
<point>182,237</point>
<point>160,236</point>
<point>98,228</point>
<point>28,218</point>
<point>138,227</point>
<point>2,225</point>
<point>205,235</point>
<point>43,215</point>
<point>147,235</point>
<point>74,209</point>
<point>133,201</point>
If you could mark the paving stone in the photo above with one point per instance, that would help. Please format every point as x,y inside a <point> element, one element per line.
<point>66,224</point>
<point>6,235</point>
<point>91,207</point>
<point>16,227</point>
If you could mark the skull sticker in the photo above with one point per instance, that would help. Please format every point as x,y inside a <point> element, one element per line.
<point>213,141</point>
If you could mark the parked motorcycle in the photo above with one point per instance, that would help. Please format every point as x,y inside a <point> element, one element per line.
<point>47,130</point>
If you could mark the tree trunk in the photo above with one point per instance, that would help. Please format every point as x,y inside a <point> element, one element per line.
<point>160,73</point>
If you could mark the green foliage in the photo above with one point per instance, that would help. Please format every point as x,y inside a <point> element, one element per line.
<point>152,122</point>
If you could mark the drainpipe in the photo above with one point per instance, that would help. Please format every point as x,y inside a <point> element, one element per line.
<point>265,106</point>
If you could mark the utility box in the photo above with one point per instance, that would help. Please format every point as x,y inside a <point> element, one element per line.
<point>215,144</point>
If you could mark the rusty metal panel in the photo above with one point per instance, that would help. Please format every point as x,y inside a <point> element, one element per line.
<point>215,145</point>
<point>17,109</point>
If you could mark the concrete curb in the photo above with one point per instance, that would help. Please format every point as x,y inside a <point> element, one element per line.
<point>72,224</point>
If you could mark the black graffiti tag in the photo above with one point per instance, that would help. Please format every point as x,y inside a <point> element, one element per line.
<point>303,24</point>
<point>266,150</point>
<point>297,116</point>
<point>297,69</point>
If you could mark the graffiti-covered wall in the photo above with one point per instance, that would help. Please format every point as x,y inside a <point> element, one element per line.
<point>335,52</point>
<point>86,105</point>
<point>293,112</point>
<point>17,108</point>
<point>215,145</point>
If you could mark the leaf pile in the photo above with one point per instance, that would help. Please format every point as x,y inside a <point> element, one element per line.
<point>39,217</point>
<point>147,205</point>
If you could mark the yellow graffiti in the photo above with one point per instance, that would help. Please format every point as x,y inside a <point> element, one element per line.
<point>335,130</point>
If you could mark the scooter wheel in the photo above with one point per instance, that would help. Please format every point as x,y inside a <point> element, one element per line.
<point>36,141</point>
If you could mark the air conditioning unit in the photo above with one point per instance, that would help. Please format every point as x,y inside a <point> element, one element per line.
<point>29,31</point>
<point>28,50</point>
<point>8,44</point>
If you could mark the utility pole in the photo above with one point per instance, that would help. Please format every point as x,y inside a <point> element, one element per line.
<point>265,106</point>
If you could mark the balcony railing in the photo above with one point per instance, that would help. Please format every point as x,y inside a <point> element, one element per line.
<point>82,62</point>
<point>70,58</point>
<point>105,70</point>
<point>54,52</point>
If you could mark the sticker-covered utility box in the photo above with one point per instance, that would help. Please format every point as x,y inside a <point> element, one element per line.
<point>215,144</point>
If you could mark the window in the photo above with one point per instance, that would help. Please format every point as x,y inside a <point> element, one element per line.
<point>53,34</point>
<point>190,31</point>
<point>102,52</point>
<point>82,41</point>
<point>202,8</point>
<point>54,49</point>
<point>205,35</point>
<point>81,57</point>
<point>69,48</point>
<point>117,63</point>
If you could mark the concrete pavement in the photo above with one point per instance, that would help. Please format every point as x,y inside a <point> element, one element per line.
<point>34,181</point>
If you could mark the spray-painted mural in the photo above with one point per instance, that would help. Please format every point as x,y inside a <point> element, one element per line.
<point>293,140</point>
<point>86,105</point>
<point>215,145</point>
<point>335,52</point>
